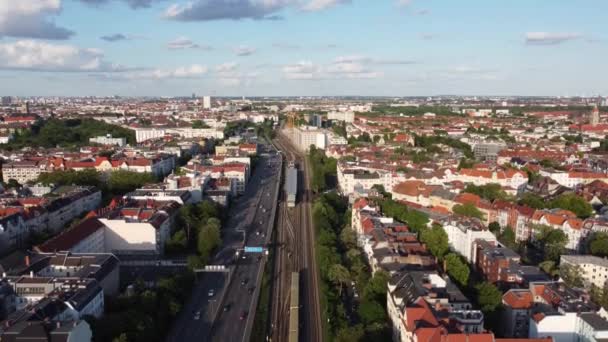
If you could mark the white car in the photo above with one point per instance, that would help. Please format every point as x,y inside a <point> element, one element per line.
<point>197,315</point>
<point>211,293</point>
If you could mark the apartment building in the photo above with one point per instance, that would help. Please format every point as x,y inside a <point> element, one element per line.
<point>130,227</point>
<point>593,270</point>
<point>22,171</point>
<point>422,306</point>
<point>463,234</point>
<point>108,140</point>
<point>305,136</point>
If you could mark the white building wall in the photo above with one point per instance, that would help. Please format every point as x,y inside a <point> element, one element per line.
<point>561,327</point>
<point>129,236</point>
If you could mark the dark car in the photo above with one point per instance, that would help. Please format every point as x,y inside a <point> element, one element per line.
<point>250,290</point>
<point>226,307</point>
<point>243,315</point>
<point>244,282</point>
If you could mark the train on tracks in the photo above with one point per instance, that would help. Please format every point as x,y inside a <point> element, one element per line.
<point>291,185</point>
<point>294,308</point>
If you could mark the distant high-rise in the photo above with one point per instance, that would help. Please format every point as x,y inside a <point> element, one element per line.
<point>6,100</point>
<point>207,102</point>
<point>193,96</point>
<point>594,119</point>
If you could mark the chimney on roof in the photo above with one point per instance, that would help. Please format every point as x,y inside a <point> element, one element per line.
<point>58,324</point>
<point>27,260</point>
<point>31,274</point>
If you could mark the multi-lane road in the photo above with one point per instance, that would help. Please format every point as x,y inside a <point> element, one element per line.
<point>228,313</point>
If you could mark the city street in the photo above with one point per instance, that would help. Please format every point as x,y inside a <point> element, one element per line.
<point>249,217</point>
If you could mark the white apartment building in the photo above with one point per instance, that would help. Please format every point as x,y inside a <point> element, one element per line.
<point>22,171</point>
<point>594,270</point>
<point>463,234</point>
<point>347,116</point>
<point>571,179</point>
<point>206,102</point>
<point>143,134</point>
<point>304,136</point>
<point>351,177</point>
<point>108,140</point>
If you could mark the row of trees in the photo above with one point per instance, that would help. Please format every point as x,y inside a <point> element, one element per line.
<point>324,169</point>
<point>115,183</point>
<point>146,315</point>
<point>67,133</point>
<point>197,233</point>
<point>340,263</point>
<point>568,201</point>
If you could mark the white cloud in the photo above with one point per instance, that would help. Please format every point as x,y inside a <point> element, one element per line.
<point>181,43</point>
<point>244,51</point>
<point>548,38</point>
<point>42,56</point>
<point>303,70</point>
<point>205,10</point>
<point>318,5</point>
<point>30,19</point>
<point>134,4</point>
<point>226,67</point>
<point>404,2</point>
<point>186,72</point>
<point>353,67</point>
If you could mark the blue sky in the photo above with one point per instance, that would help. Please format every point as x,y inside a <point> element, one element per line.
<point>303,47</point>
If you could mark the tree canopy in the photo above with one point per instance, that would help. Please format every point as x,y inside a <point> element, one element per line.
<point>457,268</point>
<point>67,133</point>
<point>489,297</point>
<point>468,210</point>
<point>490,192</point>
<point>436,240</point>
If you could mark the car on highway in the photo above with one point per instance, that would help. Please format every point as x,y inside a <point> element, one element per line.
<point>244,282</point>
<point>226,307</point>
<point>250,290</point>
<point>197,315</point>
<point>243,315</point>
<point>211,293</point>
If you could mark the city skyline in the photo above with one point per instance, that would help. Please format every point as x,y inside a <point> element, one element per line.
<point>307,47</point>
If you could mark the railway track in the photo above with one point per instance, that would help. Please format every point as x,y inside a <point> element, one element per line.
<point>303,257</point>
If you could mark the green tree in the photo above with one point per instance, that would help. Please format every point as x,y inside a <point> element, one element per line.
<point>548,266</point>
<point>339,275</point>
<point>348,237</point>
<point>508,237</point>
<point>436,240</point>
<point>208,239</point>
<point>371,312</point>
<point>532,200</point>
<point>488,297</point>
<point>468,210</point>
<point>571,275</point>
<point>490,192</point>
<point>457,268</point>
<point>494,227</point>
<point>573,203</point>
<point>196,124</point>
<point>376,288</point>
<point>598,244</point>
<point>350,334</point>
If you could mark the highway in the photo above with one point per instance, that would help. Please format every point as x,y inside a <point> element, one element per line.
<point>249,223</point>
<point>296,233</point>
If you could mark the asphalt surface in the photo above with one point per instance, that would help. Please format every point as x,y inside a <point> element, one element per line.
<point>248,224</point>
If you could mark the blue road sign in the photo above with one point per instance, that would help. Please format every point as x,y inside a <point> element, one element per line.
<point>254,249</point>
